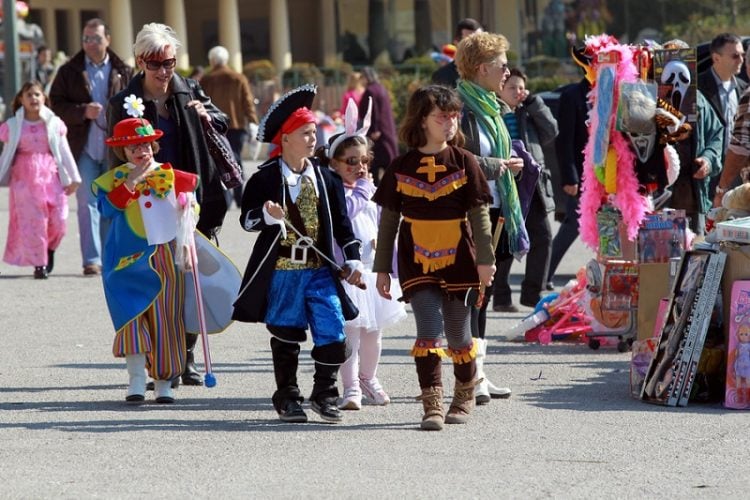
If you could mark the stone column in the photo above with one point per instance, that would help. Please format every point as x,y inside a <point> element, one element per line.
<point>50,29</point>
<point>328,32</point>
<point>281,53</point>
<point>75,31</point>
<point>229,32</point>
<point>174,16</point>
<point>122,32</point>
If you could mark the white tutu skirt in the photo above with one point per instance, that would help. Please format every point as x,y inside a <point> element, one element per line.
<point>375,312</point>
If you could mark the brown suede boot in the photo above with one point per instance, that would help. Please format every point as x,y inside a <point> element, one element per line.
<point>432,402</point>
<point>462,404</point>
<point>463,393</point>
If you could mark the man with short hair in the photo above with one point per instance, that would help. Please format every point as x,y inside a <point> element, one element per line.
<point>231,93</point>
<point>79,95</point>
<point>448,74</point>
<point>721,86</point>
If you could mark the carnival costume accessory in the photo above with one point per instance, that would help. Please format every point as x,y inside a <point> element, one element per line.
<point>135,130</point>
<point>288,113</point>
<point>350,126</point>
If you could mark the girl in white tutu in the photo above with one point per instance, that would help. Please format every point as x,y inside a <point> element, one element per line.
<point>349,154</point>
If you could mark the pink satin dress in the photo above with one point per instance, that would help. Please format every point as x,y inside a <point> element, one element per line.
<point>37,203</point>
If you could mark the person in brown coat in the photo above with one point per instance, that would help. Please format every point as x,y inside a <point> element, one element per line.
<point>79,95</point>
<point>230,92</point>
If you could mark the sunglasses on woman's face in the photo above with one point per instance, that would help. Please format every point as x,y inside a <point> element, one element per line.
<point>154,65</point>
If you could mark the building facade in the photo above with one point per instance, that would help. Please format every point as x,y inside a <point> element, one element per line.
<point>321,32</point>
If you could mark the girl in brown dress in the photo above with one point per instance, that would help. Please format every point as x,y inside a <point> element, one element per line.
<point>440,196</point>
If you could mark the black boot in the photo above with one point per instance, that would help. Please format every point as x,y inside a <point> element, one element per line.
<point>287,400</point>
<point>191,376</point>
<point>325,393</point>
<point>50,261</point>
<point>40,273</point>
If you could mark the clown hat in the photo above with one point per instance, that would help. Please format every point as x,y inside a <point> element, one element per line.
<point>133,131</point>
<point>282,109</point>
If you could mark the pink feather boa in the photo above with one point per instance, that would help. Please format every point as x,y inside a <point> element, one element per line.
<point>627,199</point>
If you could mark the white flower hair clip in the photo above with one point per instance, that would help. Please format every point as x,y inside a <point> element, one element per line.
<point>350,125</point>
<point>134,106</point>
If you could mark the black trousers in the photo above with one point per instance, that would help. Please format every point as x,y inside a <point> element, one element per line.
<point>537,260</point>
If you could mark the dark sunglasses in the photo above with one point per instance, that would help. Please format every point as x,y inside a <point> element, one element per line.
<point>166,64</point>
<point>354,161</point>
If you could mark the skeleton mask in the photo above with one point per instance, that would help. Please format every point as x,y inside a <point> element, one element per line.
<point>677,75</point>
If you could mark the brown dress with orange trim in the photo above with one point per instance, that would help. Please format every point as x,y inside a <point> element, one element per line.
<point>433,193</point>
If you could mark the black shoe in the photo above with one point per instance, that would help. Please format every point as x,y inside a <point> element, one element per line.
<point>506,308</point>
<point>550,286</point>
<point>40,273</point>
<point>292,412</point>
<point>530,302</point>
<point>175,384</point>
<point>191,376</point>
<point>327,410</point>
<point>50,261</point>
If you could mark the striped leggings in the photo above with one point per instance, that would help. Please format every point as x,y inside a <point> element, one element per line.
<point>159,331</point>
<point>435,313</point>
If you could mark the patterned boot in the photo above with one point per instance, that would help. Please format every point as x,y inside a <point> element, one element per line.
<point>429,373</point>
<point>432,403</point>
<point>463,393</point>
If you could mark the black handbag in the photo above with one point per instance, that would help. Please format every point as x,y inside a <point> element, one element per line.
<point>230,171</point>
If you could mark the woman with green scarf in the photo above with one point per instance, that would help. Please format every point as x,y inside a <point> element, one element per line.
<point>482,63</point>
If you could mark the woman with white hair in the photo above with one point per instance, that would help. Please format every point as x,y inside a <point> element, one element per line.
<point>176,106</point>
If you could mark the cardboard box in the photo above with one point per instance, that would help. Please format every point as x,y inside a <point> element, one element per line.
<point>737,230</point>
<point>653,285</point>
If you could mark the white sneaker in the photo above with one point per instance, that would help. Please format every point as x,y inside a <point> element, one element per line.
<point>373,391</point>
<point>352,399</point>
<point>498,392</point>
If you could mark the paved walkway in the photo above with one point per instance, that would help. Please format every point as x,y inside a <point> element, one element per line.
<point>569,431</point>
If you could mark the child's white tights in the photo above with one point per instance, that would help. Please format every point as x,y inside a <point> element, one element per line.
<point>363,363</point>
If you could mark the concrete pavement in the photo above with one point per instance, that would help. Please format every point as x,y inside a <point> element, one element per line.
<point>570,429</point>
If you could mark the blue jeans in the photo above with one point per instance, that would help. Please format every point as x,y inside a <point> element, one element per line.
<point>91,229</point>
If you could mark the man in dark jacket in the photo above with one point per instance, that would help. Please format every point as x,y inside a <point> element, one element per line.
<point>571,121</point>
<point>448,75</point>
<point>722,88</point>
<point>79,95</point>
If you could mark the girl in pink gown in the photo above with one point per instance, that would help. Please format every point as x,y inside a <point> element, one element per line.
<point>37,164</point>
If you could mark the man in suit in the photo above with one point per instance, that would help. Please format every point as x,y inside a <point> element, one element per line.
<point>721,86</point>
